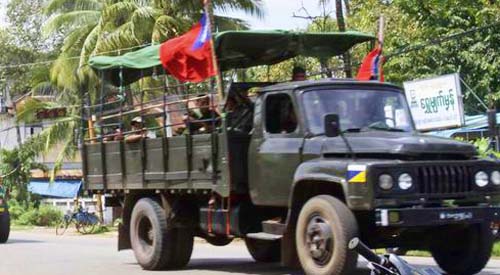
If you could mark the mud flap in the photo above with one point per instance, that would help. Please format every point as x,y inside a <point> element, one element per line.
<point>289,257</point>
<point>123,238</point>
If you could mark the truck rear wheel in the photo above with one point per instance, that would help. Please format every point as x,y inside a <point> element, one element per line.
<point>155,245</point>
<point>324,228</point>
<point>264,251</point>
<point>469,255</point>
<point>4,227</point>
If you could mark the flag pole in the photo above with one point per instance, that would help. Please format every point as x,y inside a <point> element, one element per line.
<point>218,76</point>
<point>381,23</point>
<point>380,42</point>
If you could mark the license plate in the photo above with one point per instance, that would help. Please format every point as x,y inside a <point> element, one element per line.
<point>456,216</point>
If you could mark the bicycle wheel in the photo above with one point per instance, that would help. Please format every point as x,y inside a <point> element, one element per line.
<point>62,227</point>
<point>87,227</point>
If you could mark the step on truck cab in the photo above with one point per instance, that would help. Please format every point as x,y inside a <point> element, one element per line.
<point>296,169</point>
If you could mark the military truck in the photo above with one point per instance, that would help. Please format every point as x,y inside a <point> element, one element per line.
<point>325,161</point>
<point>4,216</point>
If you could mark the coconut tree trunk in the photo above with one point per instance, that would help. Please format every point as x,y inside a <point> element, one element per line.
<point>342,28</point>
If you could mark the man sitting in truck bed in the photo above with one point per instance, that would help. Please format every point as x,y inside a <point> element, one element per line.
<point>138,131</point>
<point>203,119</point>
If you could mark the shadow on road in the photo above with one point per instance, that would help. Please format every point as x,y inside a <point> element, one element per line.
<point>239,266</point>
<point>244,266</point>
<point>14,241</point>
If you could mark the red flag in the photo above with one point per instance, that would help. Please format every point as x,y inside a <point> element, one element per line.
<point>371,68</point>
<point>189,56</point>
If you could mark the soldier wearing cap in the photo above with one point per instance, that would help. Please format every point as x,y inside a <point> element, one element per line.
<point>138,131</point>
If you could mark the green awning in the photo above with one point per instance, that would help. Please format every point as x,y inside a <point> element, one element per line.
<point>243,49</point>
<point>141,59</point>
<point>237,49</point>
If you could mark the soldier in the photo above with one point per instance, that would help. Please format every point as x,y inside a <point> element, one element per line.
<point>202,119</point>
<point>298,74</point>
<point>138,131</point>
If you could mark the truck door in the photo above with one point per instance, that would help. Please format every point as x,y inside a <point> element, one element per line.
<point>274,152</point>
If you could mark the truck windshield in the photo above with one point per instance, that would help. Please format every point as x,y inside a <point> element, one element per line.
<point>358,110</point>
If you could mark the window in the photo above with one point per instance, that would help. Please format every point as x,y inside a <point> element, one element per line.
<point>280,115</point>
<point>358,110</point>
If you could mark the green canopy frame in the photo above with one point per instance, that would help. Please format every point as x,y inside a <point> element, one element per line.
<point>236,50</point>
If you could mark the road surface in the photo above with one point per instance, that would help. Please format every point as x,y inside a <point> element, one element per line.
<point>43,253</point>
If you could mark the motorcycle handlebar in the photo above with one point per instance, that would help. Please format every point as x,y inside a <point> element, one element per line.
<point>363,250</point>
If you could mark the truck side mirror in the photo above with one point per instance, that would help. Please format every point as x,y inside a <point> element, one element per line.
<point>332,125</point>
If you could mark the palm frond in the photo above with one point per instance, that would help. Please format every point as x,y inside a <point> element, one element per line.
<point>89,45</point>
<point>252,7</point>
<point>167,27</point>
<point>224,23</point>
<point>70,20</point>
<point>117,14</point>
<point>27,112</point>
<point>62,6</point>
<point>76,39</point>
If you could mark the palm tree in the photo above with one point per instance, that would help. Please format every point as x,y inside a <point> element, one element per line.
<point>112,27</point>
<point>91,27</point>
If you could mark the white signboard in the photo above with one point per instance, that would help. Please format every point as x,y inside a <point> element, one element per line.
<point>435,103</point>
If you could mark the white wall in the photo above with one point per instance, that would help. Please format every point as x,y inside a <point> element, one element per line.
<point>67,206</point>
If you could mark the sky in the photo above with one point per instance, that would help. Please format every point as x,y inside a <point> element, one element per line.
<point>2,13</point>
<point>278,14</point>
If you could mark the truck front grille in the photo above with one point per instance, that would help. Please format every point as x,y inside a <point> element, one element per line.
<point>444,179</point>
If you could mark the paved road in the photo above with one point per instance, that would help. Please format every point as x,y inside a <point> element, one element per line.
<point>29,253</point>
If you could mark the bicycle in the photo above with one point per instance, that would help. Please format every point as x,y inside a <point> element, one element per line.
<point>84,221</point>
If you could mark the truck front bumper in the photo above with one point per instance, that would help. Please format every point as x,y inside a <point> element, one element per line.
<point>408,217</point>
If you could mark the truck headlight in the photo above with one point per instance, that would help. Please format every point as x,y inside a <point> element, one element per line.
<point>385,182</point>
<point>405,181</point>
<point>481,179</point>
<point>495,177</point>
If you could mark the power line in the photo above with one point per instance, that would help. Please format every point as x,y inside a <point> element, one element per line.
<point>399,51</point>
<point>440,40</point>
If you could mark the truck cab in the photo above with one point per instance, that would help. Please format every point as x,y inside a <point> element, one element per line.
<point>316,164</point>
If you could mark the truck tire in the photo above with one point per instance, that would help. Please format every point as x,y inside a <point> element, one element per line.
<point>324,229</point>
<point>467,256</point>
<point>155,245</point>
<point>4,227</point>
<point>264,251</point>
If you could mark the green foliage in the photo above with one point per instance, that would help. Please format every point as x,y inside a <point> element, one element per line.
<point>15,166</point>
<point>45,215</point>
<point>484,149</point>
<point>15,209</point>
<point>114,27</point>
<point>411,22</point>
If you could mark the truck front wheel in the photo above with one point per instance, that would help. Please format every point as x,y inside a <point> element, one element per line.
<point>462,250</point>
<point>4,227</point>
<point>324,228</point>
<point>155,245</point>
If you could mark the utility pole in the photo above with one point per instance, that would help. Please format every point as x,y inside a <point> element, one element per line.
<point>492,122</point>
